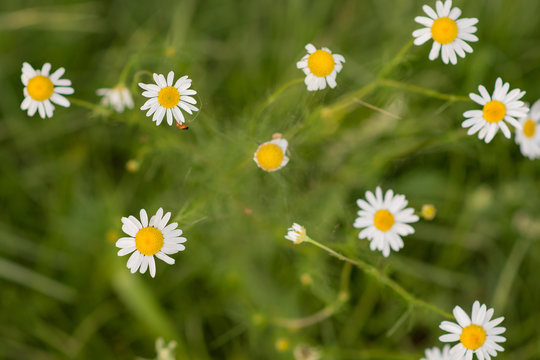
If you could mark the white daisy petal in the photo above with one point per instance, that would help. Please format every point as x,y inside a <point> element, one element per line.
<point>149,238</point>
<point>320,67</point>
<point>448,32</point>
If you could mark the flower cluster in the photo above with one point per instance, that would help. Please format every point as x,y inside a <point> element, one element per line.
<point>384,218</point>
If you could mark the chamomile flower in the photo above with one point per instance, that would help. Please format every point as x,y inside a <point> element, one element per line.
<point>296,233</point>
<point>168,98</point>
<point>321,67</point>
<point>117,98</point>
<point>528,137</point>
<point>270,156</point>
<point>437,354</point>
<point>449,33</point>
<point>384,220</point>
<point>41,89</point>
<point>476,335</point>
<point>149,238</point>
<point>503,106</point>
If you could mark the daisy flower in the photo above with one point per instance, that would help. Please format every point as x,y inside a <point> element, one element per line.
<point>449,33</point>
<point>438,354</point>
<point>117,98</point>
<point>149,238</point>
<point>384,220</point>
<point>476,335</point>
<point>168,99</point>
<point>503,105</point>
<point>270,156</point>
<point>320,67</point>
<point>296,233</point>
<point>528,137</point>
<point>41,89</point>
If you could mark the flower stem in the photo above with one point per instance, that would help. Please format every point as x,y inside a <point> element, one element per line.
<point>383,279</point>
<point>422,91</point>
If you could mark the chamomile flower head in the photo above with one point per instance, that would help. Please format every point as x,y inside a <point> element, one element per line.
<point>270,156</point>
<point>437,354</point>
<point>448,32</point>
<point>503,106</point>
<point>321,67</point>
<point>41,89</point>
<point>528,137</point>
<point>148,239</point>
<point>168,98</point>
<point>296,233</point>
<point>384,219</point>
<point>477,335</point>
<point>117,98</point>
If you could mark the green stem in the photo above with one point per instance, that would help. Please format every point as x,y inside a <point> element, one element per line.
<point>276,94</point>
<point>327,311</point>
<point>398,59</point>
<point>85,104</point>
<point>422,91</point>
<point>383,279</point>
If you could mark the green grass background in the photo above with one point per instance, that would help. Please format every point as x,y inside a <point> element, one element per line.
<point>64,186</point>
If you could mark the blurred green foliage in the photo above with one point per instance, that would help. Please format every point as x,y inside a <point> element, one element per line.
<point>64,184</point>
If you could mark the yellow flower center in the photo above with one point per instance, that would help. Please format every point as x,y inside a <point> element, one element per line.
<point>428,211</point>
<point>321,63</point>
<point>168,97</point>
<point>473,337</point>
<point>529,128</point>
<point>149,240</point>
<point>383,220</point>
<point>494,111</point>
<point>444,30</point>
<point>269,156</point>
<point>40,88</point>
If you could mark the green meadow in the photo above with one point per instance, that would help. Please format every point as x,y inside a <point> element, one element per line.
<point>240,290</point>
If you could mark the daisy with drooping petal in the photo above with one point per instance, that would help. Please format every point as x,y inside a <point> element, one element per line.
<point>384,220</point>
<point>169,98</point>
<point>117,98</point>
<point>270,156</point>
<point>476,335</point>
<point>503,105</point>
<point>528,137</point>
<point>437,354</point>
<point>149,238</point>
<point>41,89</point>
<point>296,233</point>
<point>321,67</point>
<point>449,33</point>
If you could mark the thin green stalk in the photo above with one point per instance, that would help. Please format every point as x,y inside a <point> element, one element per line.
<point>422,91</point>
<point>383,279</point>
<point>275,95</point>
<point>327,311</point>
<point>398,59</point>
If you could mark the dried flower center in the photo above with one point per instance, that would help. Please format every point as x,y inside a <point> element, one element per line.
<point>444,30</point>
<point>473,337</point>
<point>149,240</point>
<point>321,63</point>
<point>494,111</point>
<point>529,128</point>
<point>40,88</point>
<point>168,97</point>
<point>269,156</point>
<point>383,220</point>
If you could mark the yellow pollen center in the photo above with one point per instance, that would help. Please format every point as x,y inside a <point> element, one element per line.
<point>473,337</point>
<point>168,97</point>
<point>494,111</point>
<point>149,240</point>
<point>321,63</point>
<point>529,128</point>
<point>40,88</point>
<point>444,30</point>
<point>383,220</point>
<point>269,156</point>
